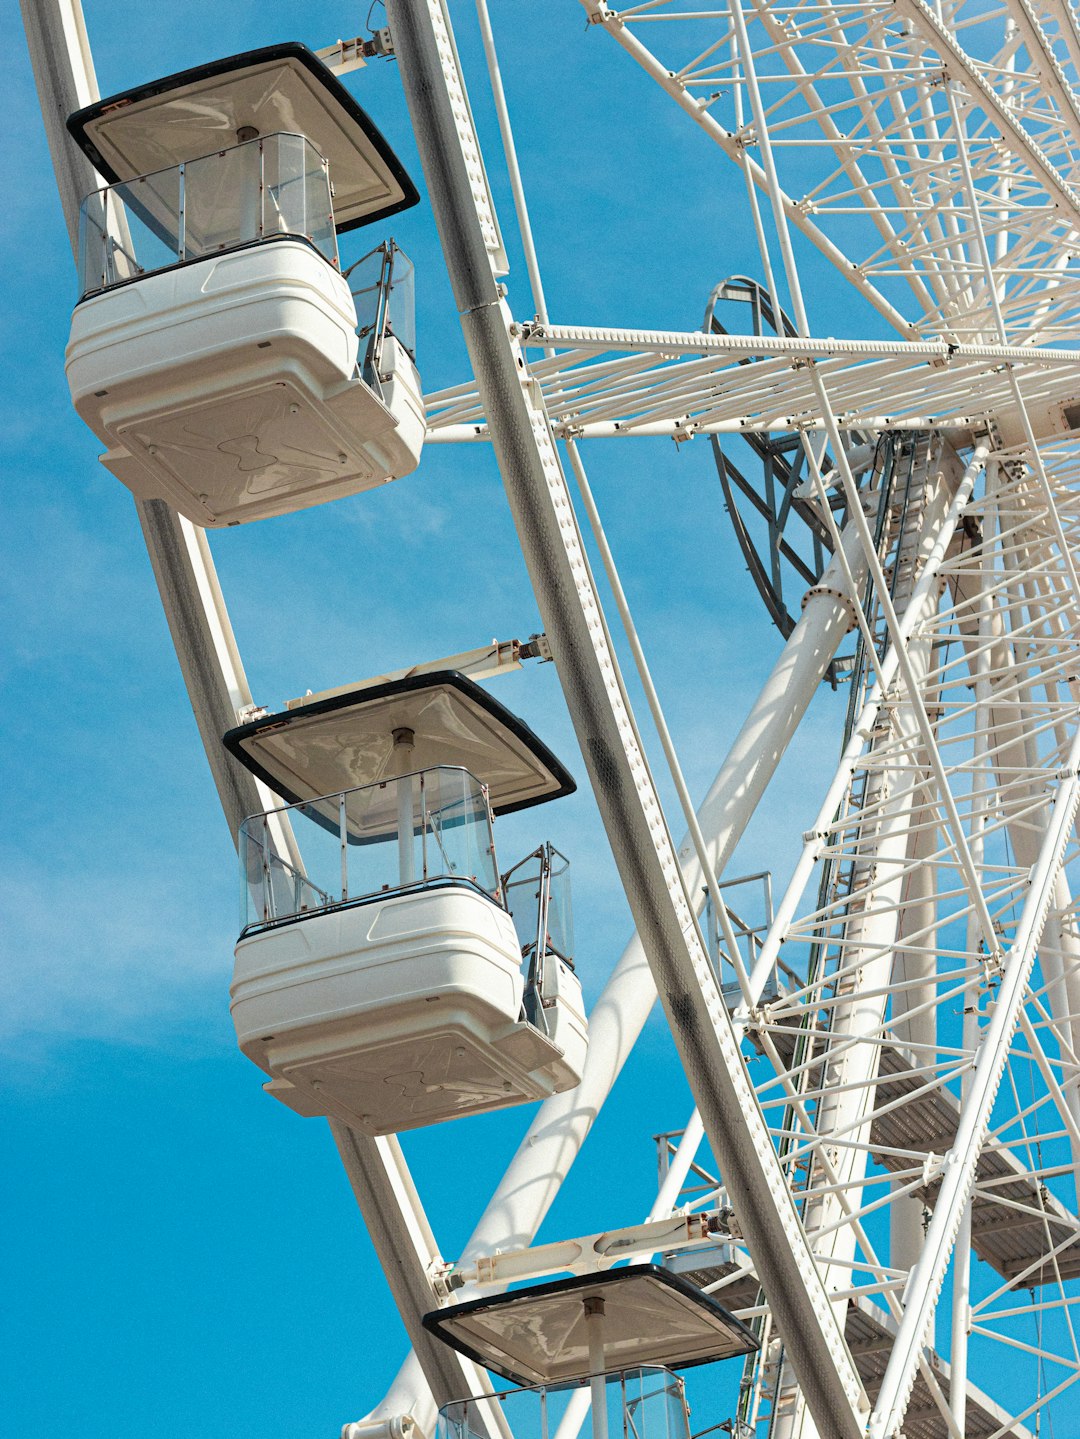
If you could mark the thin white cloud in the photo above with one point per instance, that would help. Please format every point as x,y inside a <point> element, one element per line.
<point>88,953</point>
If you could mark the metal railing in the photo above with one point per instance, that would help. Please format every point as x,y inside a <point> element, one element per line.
<point>642,1403</point>
<point>428,828</point>
<point>383,289</point>
<point>749,935</point>
<point>536,892</point>
<point>272,186</point>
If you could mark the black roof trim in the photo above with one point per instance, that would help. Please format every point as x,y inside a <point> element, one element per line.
<point>432,1322</point>
<point>288,50</point>
<point>234,739</point>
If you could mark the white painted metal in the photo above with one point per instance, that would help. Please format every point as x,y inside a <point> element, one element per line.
<point>483,662</point>
<point>928,1273</point>
<point>1014,410</point>
<point>594,1327</point>
<point>210,662</point>
<point>591,1252</point>
<point>878,120</point>
<point>628,802</point>
<point>929,154</point>
<point>871,937</point>
<point>555,1138</point>
<point>623,383</point>
<point>198,620</point>
<point>399,1229</point>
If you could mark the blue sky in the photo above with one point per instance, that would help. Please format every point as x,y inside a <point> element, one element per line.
<point>182,1251</point>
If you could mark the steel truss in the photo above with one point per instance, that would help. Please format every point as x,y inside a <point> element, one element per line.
<point>946,839</point>
<point>916,998</point>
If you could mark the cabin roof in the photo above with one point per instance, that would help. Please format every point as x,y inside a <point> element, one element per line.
<point>276,88</point>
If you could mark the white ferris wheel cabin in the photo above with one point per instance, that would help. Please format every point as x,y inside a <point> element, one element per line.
<point>214,348</point>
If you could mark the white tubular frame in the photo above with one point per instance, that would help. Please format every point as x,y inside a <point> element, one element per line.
<point>948,810</point>
<point>627,799</point>
<point>1025,97</point>
<point>214,676</point>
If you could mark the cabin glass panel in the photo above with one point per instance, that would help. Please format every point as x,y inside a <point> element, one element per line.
<point>272,186</point>
<point>647,1403</point>
<point>537,892</point>
<point>560,916</point>
<point>402,304</point>
<point>384,292</point>
<point>223,201</point>
<point>420,830</point>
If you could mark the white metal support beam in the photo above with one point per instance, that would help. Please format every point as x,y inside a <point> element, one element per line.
<point>199,623</point>
<point>592,1253</point>
<point>642,846</point>
<point>562,1124</point>
<point>927,1277</point>
<point>398,1227</point>
<point>214,676</point>
<point>600,14</point>
<point>870,936</point>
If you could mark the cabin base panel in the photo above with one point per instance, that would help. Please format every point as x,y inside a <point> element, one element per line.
<point>394,1014</point>
<point>229,387</point>
<point>405,1084</point>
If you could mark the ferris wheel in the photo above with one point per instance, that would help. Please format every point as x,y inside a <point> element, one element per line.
<point>871,1220</point>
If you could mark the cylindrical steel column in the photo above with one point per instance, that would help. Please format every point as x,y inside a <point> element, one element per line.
<point>641,845</point>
